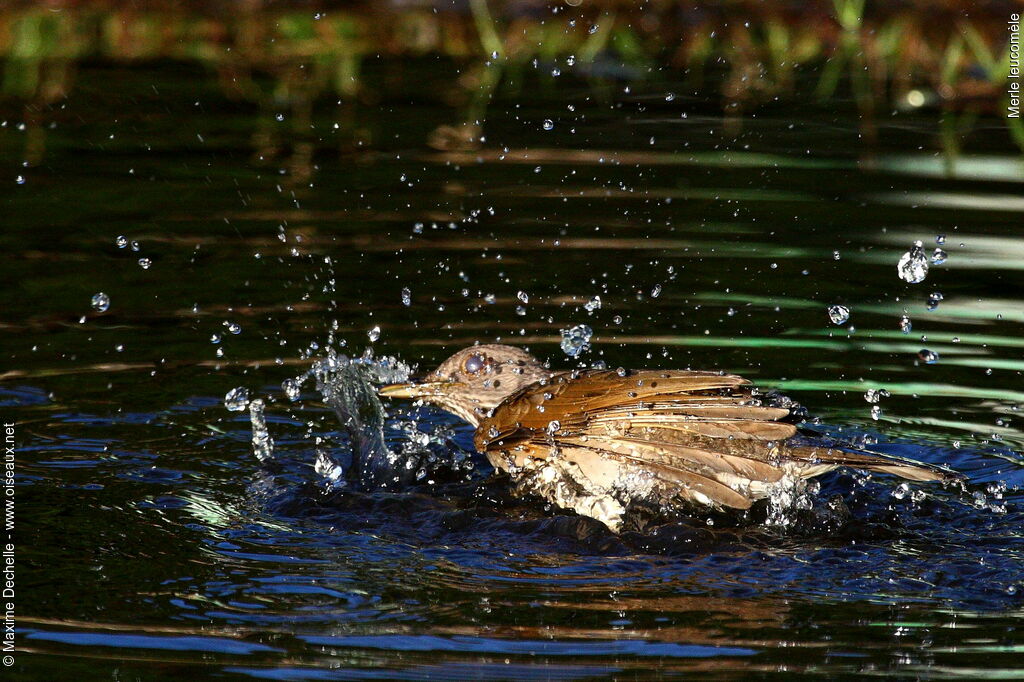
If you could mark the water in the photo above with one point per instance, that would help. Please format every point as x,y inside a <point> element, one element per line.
<point>152,543</point>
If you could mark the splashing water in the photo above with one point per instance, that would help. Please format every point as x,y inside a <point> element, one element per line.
<point>839,314</point>
<point>345,385</point>
<point>913,265</point>
<point>262,443</point>
<point>100,302</point>
<point>873,395</point>
<point>576,340</point>
<point>237,399</point>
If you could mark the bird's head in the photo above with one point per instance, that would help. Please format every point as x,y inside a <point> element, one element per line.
<point>474,381</point>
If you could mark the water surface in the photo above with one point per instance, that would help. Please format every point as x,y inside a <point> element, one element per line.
<point>153,544</point>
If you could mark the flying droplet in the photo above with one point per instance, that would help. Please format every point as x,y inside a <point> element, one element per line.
<point>233,327</point>
<point>913,265</point>
<point>934,299</point>
<point>145,263</point>
<point>262,443</point>
<point>373,334</point>
<point>839,314</point>
<point>237,399</point>
<point>549,124</point>
<point>100,302</point>
<point>905,325</point>
<point>406,297</point>
<point>553,427</point>
<point>576,340</point>
<point>593,304</point>
<point>873,395</point>
<point>929,357</point>
<point>939,257</point>
<point>291,389</point>
<point>523,296</point>
<point>121,241</point>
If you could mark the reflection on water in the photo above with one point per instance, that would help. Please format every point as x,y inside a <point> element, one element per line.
<point>154,543</point>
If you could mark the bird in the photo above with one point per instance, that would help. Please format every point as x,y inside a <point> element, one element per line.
<point>603,441</point>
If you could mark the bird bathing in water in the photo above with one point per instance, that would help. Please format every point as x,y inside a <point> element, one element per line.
<point>600,442</point>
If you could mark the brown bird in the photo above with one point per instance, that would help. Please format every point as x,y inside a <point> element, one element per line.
<point>601,441</point>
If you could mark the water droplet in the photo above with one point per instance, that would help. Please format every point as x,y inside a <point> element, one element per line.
<point>621,371</point>
<point>121,241</point>
<point>373,334</point>
<point>553,427</point>
<point>20,179</point>
<point>939,257</point>
<point>873,395</point>
<point>406,297</point>
<point>876,412</point>
<point>237,399</point>
<point>835,255</point>
<point>901,491</point>
<point>291,389</point>
<point>913,265</point>
<point>145,263</point>
<point>934,299</point>
<point>940,239</point>
<point>905,324</point>
<point>576,340</point>
<point>593,304</point>
<point>656,291</point>
<point>523,296</point>
<point>929,357</point>
<point>100,302</point>
<point>492,432</point>
<point>135,245</point>
<point>839,314</point>
<point>233,327</point>
<point>262,443</point>
<point>548,124</point>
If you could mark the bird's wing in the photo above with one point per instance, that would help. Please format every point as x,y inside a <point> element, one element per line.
<point>696,435</point>
<point>679,428</point>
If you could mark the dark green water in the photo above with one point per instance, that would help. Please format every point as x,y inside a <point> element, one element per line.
<point>152,544</point>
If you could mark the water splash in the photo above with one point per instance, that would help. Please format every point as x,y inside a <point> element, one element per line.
<point>237,399</point>
<point>100,302</point>
<point>839,314</point>
<point>576,340</point>
<point>913,265</point>
<point>262,443</point>
<point>345,385</point>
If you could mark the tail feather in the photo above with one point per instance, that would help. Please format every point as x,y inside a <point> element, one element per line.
<point>843,454</point>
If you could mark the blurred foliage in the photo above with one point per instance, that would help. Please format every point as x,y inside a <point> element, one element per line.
<point>952,56</point>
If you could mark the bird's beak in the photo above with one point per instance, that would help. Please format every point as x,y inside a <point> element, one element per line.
<point>414,389</point>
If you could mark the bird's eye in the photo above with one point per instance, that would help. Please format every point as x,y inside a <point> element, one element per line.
<point>474,363</point>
